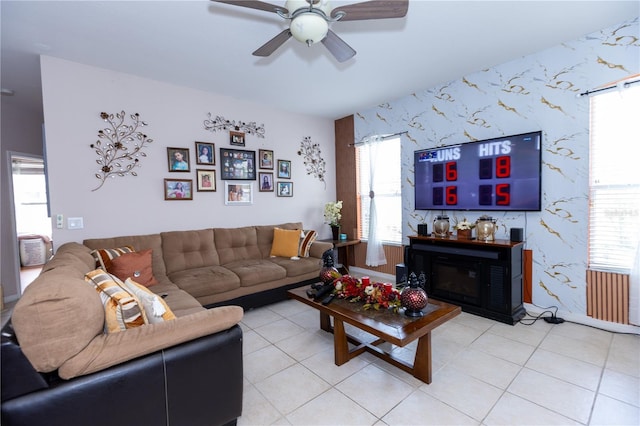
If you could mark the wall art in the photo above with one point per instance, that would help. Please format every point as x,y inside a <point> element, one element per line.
<point>206,180</point>
<point>285,189</point>
<point>284,169</point>
<point>116,156</point>
<point>237,164</point>
<point>238,194</point>
<point>205,153</point>
<point>213,124</point>
<point>313,161</point>
<point>266,181</point>
<point>178,189</point>
<point>236,138</point>
<point>178,159</point>
<point>266,159</point>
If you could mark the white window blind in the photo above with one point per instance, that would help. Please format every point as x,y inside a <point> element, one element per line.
<point>388,193</point>
<point>614,190</point>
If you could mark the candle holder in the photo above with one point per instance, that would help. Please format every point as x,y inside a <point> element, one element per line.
<point>413,298</point>
<point>328,272</point>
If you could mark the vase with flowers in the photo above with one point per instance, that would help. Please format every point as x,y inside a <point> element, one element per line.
<point>332,216</point>
<point>464,229</point>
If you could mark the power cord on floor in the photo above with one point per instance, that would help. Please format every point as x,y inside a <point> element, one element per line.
<point>553,319</point>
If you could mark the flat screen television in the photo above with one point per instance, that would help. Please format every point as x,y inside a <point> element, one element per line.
<point>500,174</point>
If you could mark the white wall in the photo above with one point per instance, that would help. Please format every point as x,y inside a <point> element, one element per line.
<point>537,92</point>
<point>21,133</point>
<point>75,94</point>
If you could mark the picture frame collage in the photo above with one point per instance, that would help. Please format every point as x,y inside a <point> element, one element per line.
<point>179,161</point>
<point>238,168</point>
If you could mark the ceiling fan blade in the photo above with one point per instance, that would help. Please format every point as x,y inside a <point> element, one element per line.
<point>376,9</point>
<point>338,48</point>
<point>269,47</point>
<point>255,4</point>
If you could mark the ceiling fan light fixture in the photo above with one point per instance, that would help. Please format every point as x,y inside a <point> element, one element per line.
<point>309,28</point>
<point>309,21</point>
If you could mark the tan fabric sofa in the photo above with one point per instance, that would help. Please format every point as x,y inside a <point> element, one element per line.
<point>59,319</point>
<point>220,265</point>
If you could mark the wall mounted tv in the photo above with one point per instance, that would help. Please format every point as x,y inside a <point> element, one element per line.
<point>494,174</point>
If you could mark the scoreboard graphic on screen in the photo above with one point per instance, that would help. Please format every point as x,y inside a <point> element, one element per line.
<point>494,174</point>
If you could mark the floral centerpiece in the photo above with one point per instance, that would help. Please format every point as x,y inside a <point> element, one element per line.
<point>464,228</point>
<point>332,216</point>
<point>374,295</point>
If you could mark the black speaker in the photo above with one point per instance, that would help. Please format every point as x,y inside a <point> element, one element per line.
<point>401,273</point>
<point>517,235</point>
<point>422,229</point>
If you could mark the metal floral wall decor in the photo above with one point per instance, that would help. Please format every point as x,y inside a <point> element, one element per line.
<point>119,146</point>
<point>313,161</point>
<point>220,123</point>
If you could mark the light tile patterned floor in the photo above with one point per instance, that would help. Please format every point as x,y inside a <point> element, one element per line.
<point>485,373</point>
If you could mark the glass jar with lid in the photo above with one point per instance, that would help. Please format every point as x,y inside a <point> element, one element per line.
<point>486,228</point>
<point>441,226</point>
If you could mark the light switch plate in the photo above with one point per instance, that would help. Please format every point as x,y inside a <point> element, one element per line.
<point>75,223</point>
<point>59,221</point>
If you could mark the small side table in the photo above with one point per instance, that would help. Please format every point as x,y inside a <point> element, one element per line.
<point>345,254</point>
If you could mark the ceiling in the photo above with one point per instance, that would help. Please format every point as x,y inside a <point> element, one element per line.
<point>207,46</point>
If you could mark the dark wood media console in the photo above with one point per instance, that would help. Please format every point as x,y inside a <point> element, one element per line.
<point>483,277</point>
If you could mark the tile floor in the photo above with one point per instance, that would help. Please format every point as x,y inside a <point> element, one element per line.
<point>485,373</point>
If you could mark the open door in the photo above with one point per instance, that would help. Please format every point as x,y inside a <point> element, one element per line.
<point>33,222</point>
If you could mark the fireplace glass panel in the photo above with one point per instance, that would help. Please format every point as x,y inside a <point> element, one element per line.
<point>456,280</point>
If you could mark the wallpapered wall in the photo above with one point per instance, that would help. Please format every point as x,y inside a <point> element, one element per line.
<point>537,92</point>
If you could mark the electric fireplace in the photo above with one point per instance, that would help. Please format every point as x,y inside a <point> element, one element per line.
<point>484,278</point>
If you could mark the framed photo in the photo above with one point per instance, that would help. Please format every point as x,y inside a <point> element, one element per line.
<point>237,164</point>
<point>205,153</point>
<point>178,159</point>
<point>266,158</point>
<point>206,180</point>
<point>285,189</point>
<point>238,194</point>
<point>236,138</point>
<point>178,189</point>
<point>284,169</point>
<point>266,181</point>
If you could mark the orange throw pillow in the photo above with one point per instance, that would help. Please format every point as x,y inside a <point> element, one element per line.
<point>136,265</point>
<point>285,242</point>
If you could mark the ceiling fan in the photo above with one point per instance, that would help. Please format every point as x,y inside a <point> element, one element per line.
<point>310,21</point>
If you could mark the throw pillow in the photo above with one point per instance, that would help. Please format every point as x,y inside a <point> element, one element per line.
<point>308,237</point>
<point>103,257</point>
<point>122,310</point>
<point>285,242</point>
<point>155,308</point>
<point>136,265</point>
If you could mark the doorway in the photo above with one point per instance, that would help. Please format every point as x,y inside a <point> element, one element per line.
<point>31,212</point>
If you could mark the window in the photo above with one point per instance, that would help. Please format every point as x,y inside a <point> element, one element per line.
<point>388,194</point>
<point>614,187</point>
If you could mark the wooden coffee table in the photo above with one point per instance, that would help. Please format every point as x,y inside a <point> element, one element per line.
<point>395,328</point>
